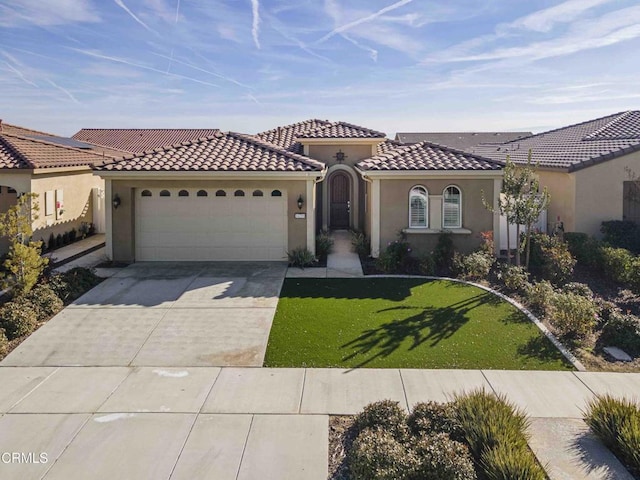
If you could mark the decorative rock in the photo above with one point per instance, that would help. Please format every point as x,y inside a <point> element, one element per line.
<point>617,354</point>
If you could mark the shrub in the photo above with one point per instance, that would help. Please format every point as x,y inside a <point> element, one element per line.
<point>45,301</point>
<point>616,263</point>
<point>59,241</point>
<point>634,275</point>
<point>25,266</point>
<point>622,234</point>
<point>514,278</point>
<point>377,455</point>
<point>4,343</point>
<point>386,415</point>
<point>605,309</point>
<point>441,458</point>
<point>360,243</point>
<point>51,244</point>
<point>622,330</point>
<point>539,295</point>
<point>474,266</point>
<point>505,463</point>
<point>65,238</point>
<point>550,257</point>
<point>73,234</point>
<point>617,423</point>
<point>487,244</point>
<point>444,251</point>
<point>71,284</point>
<point>395,256</point>
<point>572,315</point>
<point>427,265</point>
<point>578,288</point>
<point>301,257</point>
<point>585,249</point>
<point>324,244</point>
<point>429,418</point>
<point>18,318</point>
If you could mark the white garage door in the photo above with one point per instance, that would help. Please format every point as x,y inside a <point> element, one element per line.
<point>211,224</point>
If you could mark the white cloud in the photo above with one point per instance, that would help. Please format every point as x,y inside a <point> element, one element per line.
<point>255,23</point>
<point>14,13</point>
<point>566,12</point>
<point>227,32</point>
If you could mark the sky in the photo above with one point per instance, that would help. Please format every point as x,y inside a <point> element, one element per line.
<point>252,65</point>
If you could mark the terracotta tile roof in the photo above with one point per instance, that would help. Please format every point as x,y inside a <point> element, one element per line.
<point>233,152</point>
<point>19,152</point>
<point>341,130</point>
<point>574,147</point>
<point>388,146</point>
<point>138,140</point>
<point>460,140</point>
<point>427,156</point>
<point>17,130</point>
<point>285,137</point>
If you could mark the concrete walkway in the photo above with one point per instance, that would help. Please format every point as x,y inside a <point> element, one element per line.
<point>77,249</point>
<point>248,423</point>
<point>342,262</point>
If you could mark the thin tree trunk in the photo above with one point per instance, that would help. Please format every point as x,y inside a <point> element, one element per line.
<point>528,246</point>
<point>508,243</point>
<point>517,244</point>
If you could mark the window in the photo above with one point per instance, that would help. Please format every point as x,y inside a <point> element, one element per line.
<point>221,193</point>
<point>49,203</point>
<point>276,193</point>
<point>451,207</point>
<point>418,207</point>
<point>145,193</point>
<point>238,193</point>
<point>202,193</point>
<point>258,193</point>
<point>165,193</point>
<point>183,193</point>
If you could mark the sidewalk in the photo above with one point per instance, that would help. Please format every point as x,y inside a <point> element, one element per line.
<point>79,249</point>
<point>247,423</point>
<point>342,262</point>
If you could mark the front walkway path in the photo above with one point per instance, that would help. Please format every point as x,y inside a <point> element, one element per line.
<point>342,262</point>
<point>246,423</point>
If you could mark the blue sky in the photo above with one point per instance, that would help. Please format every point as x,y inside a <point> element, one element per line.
<point>251,65</point>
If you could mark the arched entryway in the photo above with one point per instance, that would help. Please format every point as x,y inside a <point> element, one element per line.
<point>339,200</point>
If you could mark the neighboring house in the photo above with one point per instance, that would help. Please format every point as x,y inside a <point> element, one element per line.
<point>588,169</point>
<point>231,196</point>
<point>58,170</point>
<point>460,140</point>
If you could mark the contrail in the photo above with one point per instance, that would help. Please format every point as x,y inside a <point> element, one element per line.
<point>368,18</point>
<point>63,90</point>
<point>121,4</point>
<point>187,64</point>
<point>255,27</point>
<point>177,10</point>
<point>19,73</point>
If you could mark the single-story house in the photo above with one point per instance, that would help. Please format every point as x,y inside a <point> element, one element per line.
<point>231,196</point>
<point>588,169</point>
<point>58,170</point>
<point>459,140</point>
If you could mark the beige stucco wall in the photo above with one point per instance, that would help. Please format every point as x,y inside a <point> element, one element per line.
<point>562,189</point>
<point>326,153</point>
<point>394,212</point>
<point>123,220</point>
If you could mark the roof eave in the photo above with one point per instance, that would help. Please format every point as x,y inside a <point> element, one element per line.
<point>208,175</point>
<point>410,174</point>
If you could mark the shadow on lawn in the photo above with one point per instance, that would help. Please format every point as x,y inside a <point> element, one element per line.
<point>541,348</point>
<point>429,324</point>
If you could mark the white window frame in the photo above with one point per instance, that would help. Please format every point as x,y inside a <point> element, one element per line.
<point>425,197</point>
<point>49,203</point>
<point>444,202</point>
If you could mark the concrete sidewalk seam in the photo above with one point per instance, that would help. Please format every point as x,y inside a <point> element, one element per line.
<point>32,390</point>
<point>147,339</point>
<point>131,369</point>
<point>215,380</point>
<point>244,447</point>
<point>404,390</point>
<point>89,417</point>
<point>186,439</point>
<point>489,383</point>
<point>304,381</point>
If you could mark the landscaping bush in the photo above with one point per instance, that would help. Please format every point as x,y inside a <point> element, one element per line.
<point>18,318</point>
<point>634,275</point>
<point>605,310</point>
<point>301,257</point>
<point>585,249</point>
<point>395,256</point>
<point>4,343</point>
<point>429,418</point>
<point>475,266</point>
<point>573,316</point>
<point>59,242</point>
<point>617,423</point>
<point>622,234</point>
<point>444,251</point>
<point>360,243</point>
<point>616,263</point>
<point>441,458</point>
<point>505,463</point>
<point>386,415</point>
<point>550,258</point>
<point>514,278</point>
<point>427,265</point>
<point>539,295</point>
<point>45,301</point>
<point>623,331</point>
<point>324,244</point>
<point>578,288</point>
<point>73,234</point>
<point>377,455</point>
<point>71,284</point>
<point>51,244</point>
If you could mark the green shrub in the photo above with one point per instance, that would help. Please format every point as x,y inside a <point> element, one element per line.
<point>441,458</point>
<point>377,455</point>
<point>301,257</point>
<point>585,249</point>
<point>622,234</point>
<point>539,295</point>
<point>18,318</point>
<point>387,415</point>
<point>427,265</point>
<point>617,263</point>
<point>324,244</point>
<point>73,283</point>
<point>45,301</point>
<point>514,278</point>
<point>572,315</point>
<point>428,418</point>
<point>605,310</point>
<point>73,234</point>
<point>51,244</point>
<point>25,266</point>
<point>617,423</point>
<point>444,251</point>
<point>503,462</point>
<point>622,330</point>
<point>395,256</point>
<point>360,243</point>
<point>59,241</point>
<point>634,275</point>
<point>578,288</point>
<point>475,266</point>
<point>4,343</point>
<point>550,258</point>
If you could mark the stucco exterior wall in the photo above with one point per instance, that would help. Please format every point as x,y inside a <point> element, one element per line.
<point>123,219</point>
<point>394,212</point>
<point>599,194</point>
<point>562,188</point>
<point>326,153</point>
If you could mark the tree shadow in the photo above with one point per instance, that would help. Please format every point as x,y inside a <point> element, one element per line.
<point>541,348</point>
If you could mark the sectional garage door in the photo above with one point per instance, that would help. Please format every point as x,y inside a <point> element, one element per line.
<point>210,224</point>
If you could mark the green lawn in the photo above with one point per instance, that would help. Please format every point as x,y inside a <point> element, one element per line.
<point>403,323</point>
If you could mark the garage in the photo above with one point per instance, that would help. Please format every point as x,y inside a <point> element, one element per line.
<point>201,224</point>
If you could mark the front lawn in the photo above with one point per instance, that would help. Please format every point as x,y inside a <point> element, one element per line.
<point>403,323</point>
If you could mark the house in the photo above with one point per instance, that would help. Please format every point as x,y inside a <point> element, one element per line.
<point>588,169</point>
<point>459,140</point>
<point>59,171</point>
<point>232,196</point>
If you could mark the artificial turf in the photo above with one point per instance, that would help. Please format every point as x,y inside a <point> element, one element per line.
<point>403,323</point>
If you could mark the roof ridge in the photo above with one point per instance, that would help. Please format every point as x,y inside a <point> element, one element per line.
<point>291,125</point>
<point>462,152</point>
<point>52,144</point>
<point>597,132</point>
<point>5,124</point>
<point>146,129</point>
<point>16,151</point>
<point>265,144</point>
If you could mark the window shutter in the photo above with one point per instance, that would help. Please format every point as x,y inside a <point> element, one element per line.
<point>451,208</point>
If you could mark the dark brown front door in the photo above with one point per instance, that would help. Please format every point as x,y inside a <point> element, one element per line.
<point>339,201</point>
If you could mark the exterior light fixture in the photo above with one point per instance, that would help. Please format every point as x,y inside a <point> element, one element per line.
<point>340,156</point>
<point>300,202</point>
<point>116,201</point>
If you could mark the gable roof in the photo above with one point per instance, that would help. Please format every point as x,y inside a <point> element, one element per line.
<point>285,137</point>
<point>460,140</point>
<point>138,140</point>
<point>222,152</point>
<point>21,152</point>
<point>573,147</point>
<point>341,130</point>
<point>427,156</point>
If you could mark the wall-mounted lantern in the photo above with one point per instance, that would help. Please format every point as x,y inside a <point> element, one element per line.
<point>116,201</point>
<point>300,202</point>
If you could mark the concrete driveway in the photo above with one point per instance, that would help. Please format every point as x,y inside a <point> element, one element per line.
<point>164,314</point>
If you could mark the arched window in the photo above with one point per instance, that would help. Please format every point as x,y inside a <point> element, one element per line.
<point>145,193</point>
<point>238,193</point>
<point>202,193</point>
<point>258,193</point>
<point>183,193</point>
<point>452,207</point>
<point>276,193</point>
<point>221,193</point>
<point>165,193</point>
<point>418,207</point>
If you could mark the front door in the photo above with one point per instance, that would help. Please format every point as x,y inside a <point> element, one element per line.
<point>339,201</point>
